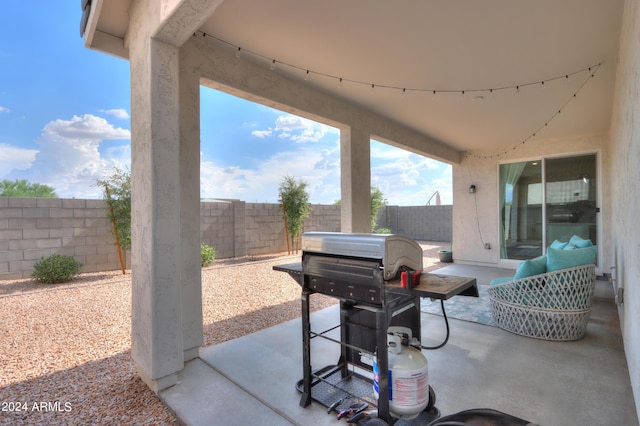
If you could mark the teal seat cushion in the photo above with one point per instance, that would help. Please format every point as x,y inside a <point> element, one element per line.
<point>531,267</point>
<point>501,280</point>
<point>562,259</point>
<point>558,245</point>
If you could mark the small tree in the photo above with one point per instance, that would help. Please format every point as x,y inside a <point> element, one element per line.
<point>294,198</point>
<point>23,188</point>
<point>377,201</point>
<point>117,195</point>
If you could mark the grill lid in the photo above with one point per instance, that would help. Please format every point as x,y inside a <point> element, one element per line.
<point>394,251</point>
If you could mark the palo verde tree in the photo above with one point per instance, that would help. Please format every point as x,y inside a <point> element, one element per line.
<point>23,188</point>
<point>294,198</point>
<point>116,189</point>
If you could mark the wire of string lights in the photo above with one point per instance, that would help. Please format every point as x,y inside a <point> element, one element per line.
<point>308,74</point>
<point>592,73</point>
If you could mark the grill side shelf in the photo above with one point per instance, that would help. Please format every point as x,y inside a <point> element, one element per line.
<point>293,269</point>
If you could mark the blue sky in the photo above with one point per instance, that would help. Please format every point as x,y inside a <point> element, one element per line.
<point>64,121</point>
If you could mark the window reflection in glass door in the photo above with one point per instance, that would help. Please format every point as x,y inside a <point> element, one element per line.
<point>571,198</point>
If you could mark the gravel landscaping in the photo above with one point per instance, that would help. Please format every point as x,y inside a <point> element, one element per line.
<point>65,351</point>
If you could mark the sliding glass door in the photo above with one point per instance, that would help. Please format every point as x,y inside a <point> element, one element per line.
<point>571,198</point>
<point>521,210</point>
<point>546,200</point>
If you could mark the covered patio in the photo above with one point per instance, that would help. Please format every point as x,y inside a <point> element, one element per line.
<point>475,84</point>
<point>253,378</point>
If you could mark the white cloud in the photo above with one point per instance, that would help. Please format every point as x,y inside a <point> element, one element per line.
<point>297,129</point>
<point>87,127</point>
<point>69,159</point>
<point>118,113</point>
<point>409,179</point>
<point>3,109</point>
<point>15,158</point>
<point>262,133</point>
<point>260,184</point>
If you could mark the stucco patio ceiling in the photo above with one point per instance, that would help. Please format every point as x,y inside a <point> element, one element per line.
<point>392,56</point>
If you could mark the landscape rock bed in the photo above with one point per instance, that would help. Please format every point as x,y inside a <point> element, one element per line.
<point>65,354</point>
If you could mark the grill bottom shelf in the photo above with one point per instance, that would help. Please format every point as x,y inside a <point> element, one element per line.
<point>328,386</point>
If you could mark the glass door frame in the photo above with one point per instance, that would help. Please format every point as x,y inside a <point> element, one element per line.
<point>513,263</point>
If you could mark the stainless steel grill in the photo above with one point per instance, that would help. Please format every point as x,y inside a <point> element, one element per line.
<point>362,270</point>
<point>355,266</point>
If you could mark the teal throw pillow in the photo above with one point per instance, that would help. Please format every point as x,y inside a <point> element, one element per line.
<point>578,242</point>
<point>558,245</point>
<point>562,259</point>
<point>531,267</point>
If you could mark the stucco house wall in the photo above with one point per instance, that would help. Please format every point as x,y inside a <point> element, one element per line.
<point>619,193</point>
<point>476,216</point>
<point>625,189</point>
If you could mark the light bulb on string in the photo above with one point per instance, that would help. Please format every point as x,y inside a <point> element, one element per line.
<point>403,90</point>
<point>340,83</point>
<point>433,96</point>
<point>306,76</point>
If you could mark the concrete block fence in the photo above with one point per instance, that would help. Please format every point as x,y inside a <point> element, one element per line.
<point>426,223</point>
<point>32,228</point>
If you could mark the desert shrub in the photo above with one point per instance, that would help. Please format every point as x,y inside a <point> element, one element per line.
<point>208,254</point>
<point>56,269</point>
<point>383,231</point>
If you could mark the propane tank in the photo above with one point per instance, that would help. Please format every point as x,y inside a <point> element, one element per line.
<point>408,379</point>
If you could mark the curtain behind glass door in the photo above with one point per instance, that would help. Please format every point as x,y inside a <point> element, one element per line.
<point>521,210</point>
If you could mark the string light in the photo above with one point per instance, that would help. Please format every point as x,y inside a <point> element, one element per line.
<point>592,74</point>
<point>402,89</point>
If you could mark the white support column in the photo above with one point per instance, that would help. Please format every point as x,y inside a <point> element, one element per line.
<point>157,331</point>
<point>355,175</point>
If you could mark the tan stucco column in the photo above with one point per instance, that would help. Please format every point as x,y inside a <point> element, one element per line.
<point>157,333</point>
<point>355,175</point>
<point>191,272</point>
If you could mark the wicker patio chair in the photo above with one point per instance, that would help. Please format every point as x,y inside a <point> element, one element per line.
<point>551,306</point>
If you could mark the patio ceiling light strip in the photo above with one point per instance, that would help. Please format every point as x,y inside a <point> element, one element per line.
<point>308,74</point>
<point>592,74</point>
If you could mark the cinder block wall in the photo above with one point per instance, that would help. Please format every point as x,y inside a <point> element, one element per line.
<point>427,223</point>
<point>32,228</point>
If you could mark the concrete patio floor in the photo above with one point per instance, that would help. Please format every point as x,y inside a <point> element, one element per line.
<point>251,380</point>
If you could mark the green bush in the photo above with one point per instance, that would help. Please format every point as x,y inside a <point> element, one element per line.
<point>56,269</point>
<point>208,254</point>
<point>383,231</point>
